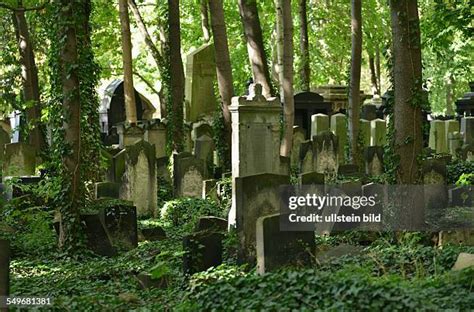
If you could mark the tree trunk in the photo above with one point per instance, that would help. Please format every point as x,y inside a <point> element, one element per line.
<point>354,87</point>
<point>224,69</point>
<point>206,34</point>
<point>176,75</point>
<point>408,88</point>
<point>129,91</point>
<point>285,56</point>
<point>305,70</point>
<point>253,35</point>
<point>377,68</point>
<point>450,93</point>
<point>70,220</point>
<point>29,73</point>
<point>373,75</point>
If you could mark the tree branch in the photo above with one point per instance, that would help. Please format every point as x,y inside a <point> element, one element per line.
<point>36,8</point>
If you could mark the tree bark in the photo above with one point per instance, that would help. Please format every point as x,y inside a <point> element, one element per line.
<point>377,68</point>
<point>253,35</point>
<point>373,75</point>
<point>408,88</point>
<point>354,87</point>
<point>305,71</point>
<point>70,220</point>
<point>176,75</point>
<point>129,91</point>
<point>450,93</point>
<point>285,56</point>
<point>224,69</point>
<point>206,33</point>
<point>29,73</point>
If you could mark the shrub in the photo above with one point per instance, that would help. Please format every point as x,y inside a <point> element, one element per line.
<point>458,167</point>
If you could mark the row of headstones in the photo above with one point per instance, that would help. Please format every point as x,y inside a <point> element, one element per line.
<point>453,137</point>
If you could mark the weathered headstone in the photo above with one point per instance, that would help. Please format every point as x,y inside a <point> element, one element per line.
<point>437,139</point>
<point>310,178</point>
<point>348,170</point>
<point>199,87</point>
<point>308,104</point>
<point>298,138</point>
<point>454,143</point>
<point>107,190</point>
<point>306,157</point>
<point>462,196</point>
<point>319,123</point>
<point>120,222</point>
<point>19,160</point>
<point>98,239</point>
<point>156,135</point>
<point>374,160</point>
<point>458,237</point>
<point>378,132</point>
<point>369,112</point>
<point>129,135</point>
<point>464,260</point>
<point>253,197</point>
<point>434,179</point>
<point>4,269</point>
<point>203,250</point>
<point>189,174</point>
<point>467,128</point>
<point>325,149</point>
<point>162,170</point>
<point>277,249</point>
<point>204,148</point>
<point>365,132</point>
<point>135,169</point>
<point>153,233</point>
<point>467,152</point>
<point>339,128</point>
<point>210,223</point>
<point>209,189</point>
<point>255,134</point>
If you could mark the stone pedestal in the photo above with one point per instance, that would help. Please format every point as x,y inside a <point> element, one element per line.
<point>19,160</point>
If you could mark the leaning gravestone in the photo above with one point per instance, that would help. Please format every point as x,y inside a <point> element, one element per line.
<point>277,249</point>
<point>369,112</point>
<point>253,197</point>
<point>339,128</point>
<point>319,123</point>
<point>19,160</point>
<point>210,223</point>
<point>129,135</point>
<point>437,140</point>
<point>120,222</point>
<point>199,87</point>
<point>378,132</point>
<point>189,174</point>
<point>325,149</point>
<point>255,134</point>
<point>203,250</point>
<point>135,169</point>
<point>4,269</point>
<point>311,178</point>
<point>209,189</point>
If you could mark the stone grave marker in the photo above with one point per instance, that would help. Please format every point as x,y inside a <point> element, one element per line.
<point>107,190</point>
<point>310,178</point>
<point>374,160</point>
<point>365,132</point>
<point>467,128</point>
<point>200,99</point>
<point>339,128</point>
<point>162,170</point>
<point>120,222</point>
<point>156,135</point>
<point>98,239</point>
<point>19,160</point>
<point>209,189</point>
<point>348,170</point>
<point>437,140</point>
<point>298,138</point>
<point>4,269</point>
<point>153,233</point>
<point>189,174</point>
<point>467,152</point>
<point>255,134</point>
<point>277,249</point>
<point>434,179</point>
<point>308,104</point>
<point>369,112</point>
<point>306,157</point>
<point>454,143</point>
<point>451,126</point>
<point>203,250</point>
<point>378,132</point>
<point>204,148</point>
<point>210,223</point>
<point>319,123</point>
<point>325,149</point>
<point>135,170</point>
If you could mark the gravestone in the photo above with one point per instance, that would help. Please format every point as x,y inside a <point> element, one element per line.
<point>311,178</point>
<point>465,105</point>
<point>277,249</point>
<point>459,237</point>
<point>255,134</point>
<point>4,269</point>
<point>374,160</point>
<point>319,123</point>
<point>462,196</point>
<point>253,197</point>
<point>201,128</point>
<point>369,112</point>
<point>298,138</point>
<point>155,134</point>
<point>162,170</point>
<point>467,128</point>
<point>365,132</point>
<point>19,160</point>
<point>203,250</point>
<point>200,99</point>
<point>467,152</point>
<point>98,239</point>
<point>454,143</point>
<point>348,170</point>
<point>325,149</point>
<point>189,174</point>
<point>153,233</point>
<point>306,157</point>
<point>308,104</point>
<point>437,139</point>
<point>452,126</point>
<point>204,149</point>
<point>210,223</point>
<point>339,128</point>
<point>135,169</point>
<point>107,190</point>
<point>434,179</point>
<point>129,135</point>
<point>120,222</point>
<point>378,132</point>
<point>209,189</point>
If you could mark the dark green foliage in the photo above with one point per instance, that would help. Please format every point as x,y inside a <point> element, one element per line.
<point>456,168</point>
<point>183,211</point>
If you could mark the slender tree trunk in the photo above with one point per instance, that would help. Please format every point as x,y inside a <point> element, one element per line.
<point>377,68</point>
<point>206,33</point>
<point>305,71</point>
<point>285,55</point>
<point>70,220</point>
<point>253,35</point>
<point>373,75</point>
<point>129,91</point>
<point>408,88</point>
<point>450,95</point>
<point>224,69</point>
<point>354,87</point>
<point>29,73</point>
<point>176,75</point>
